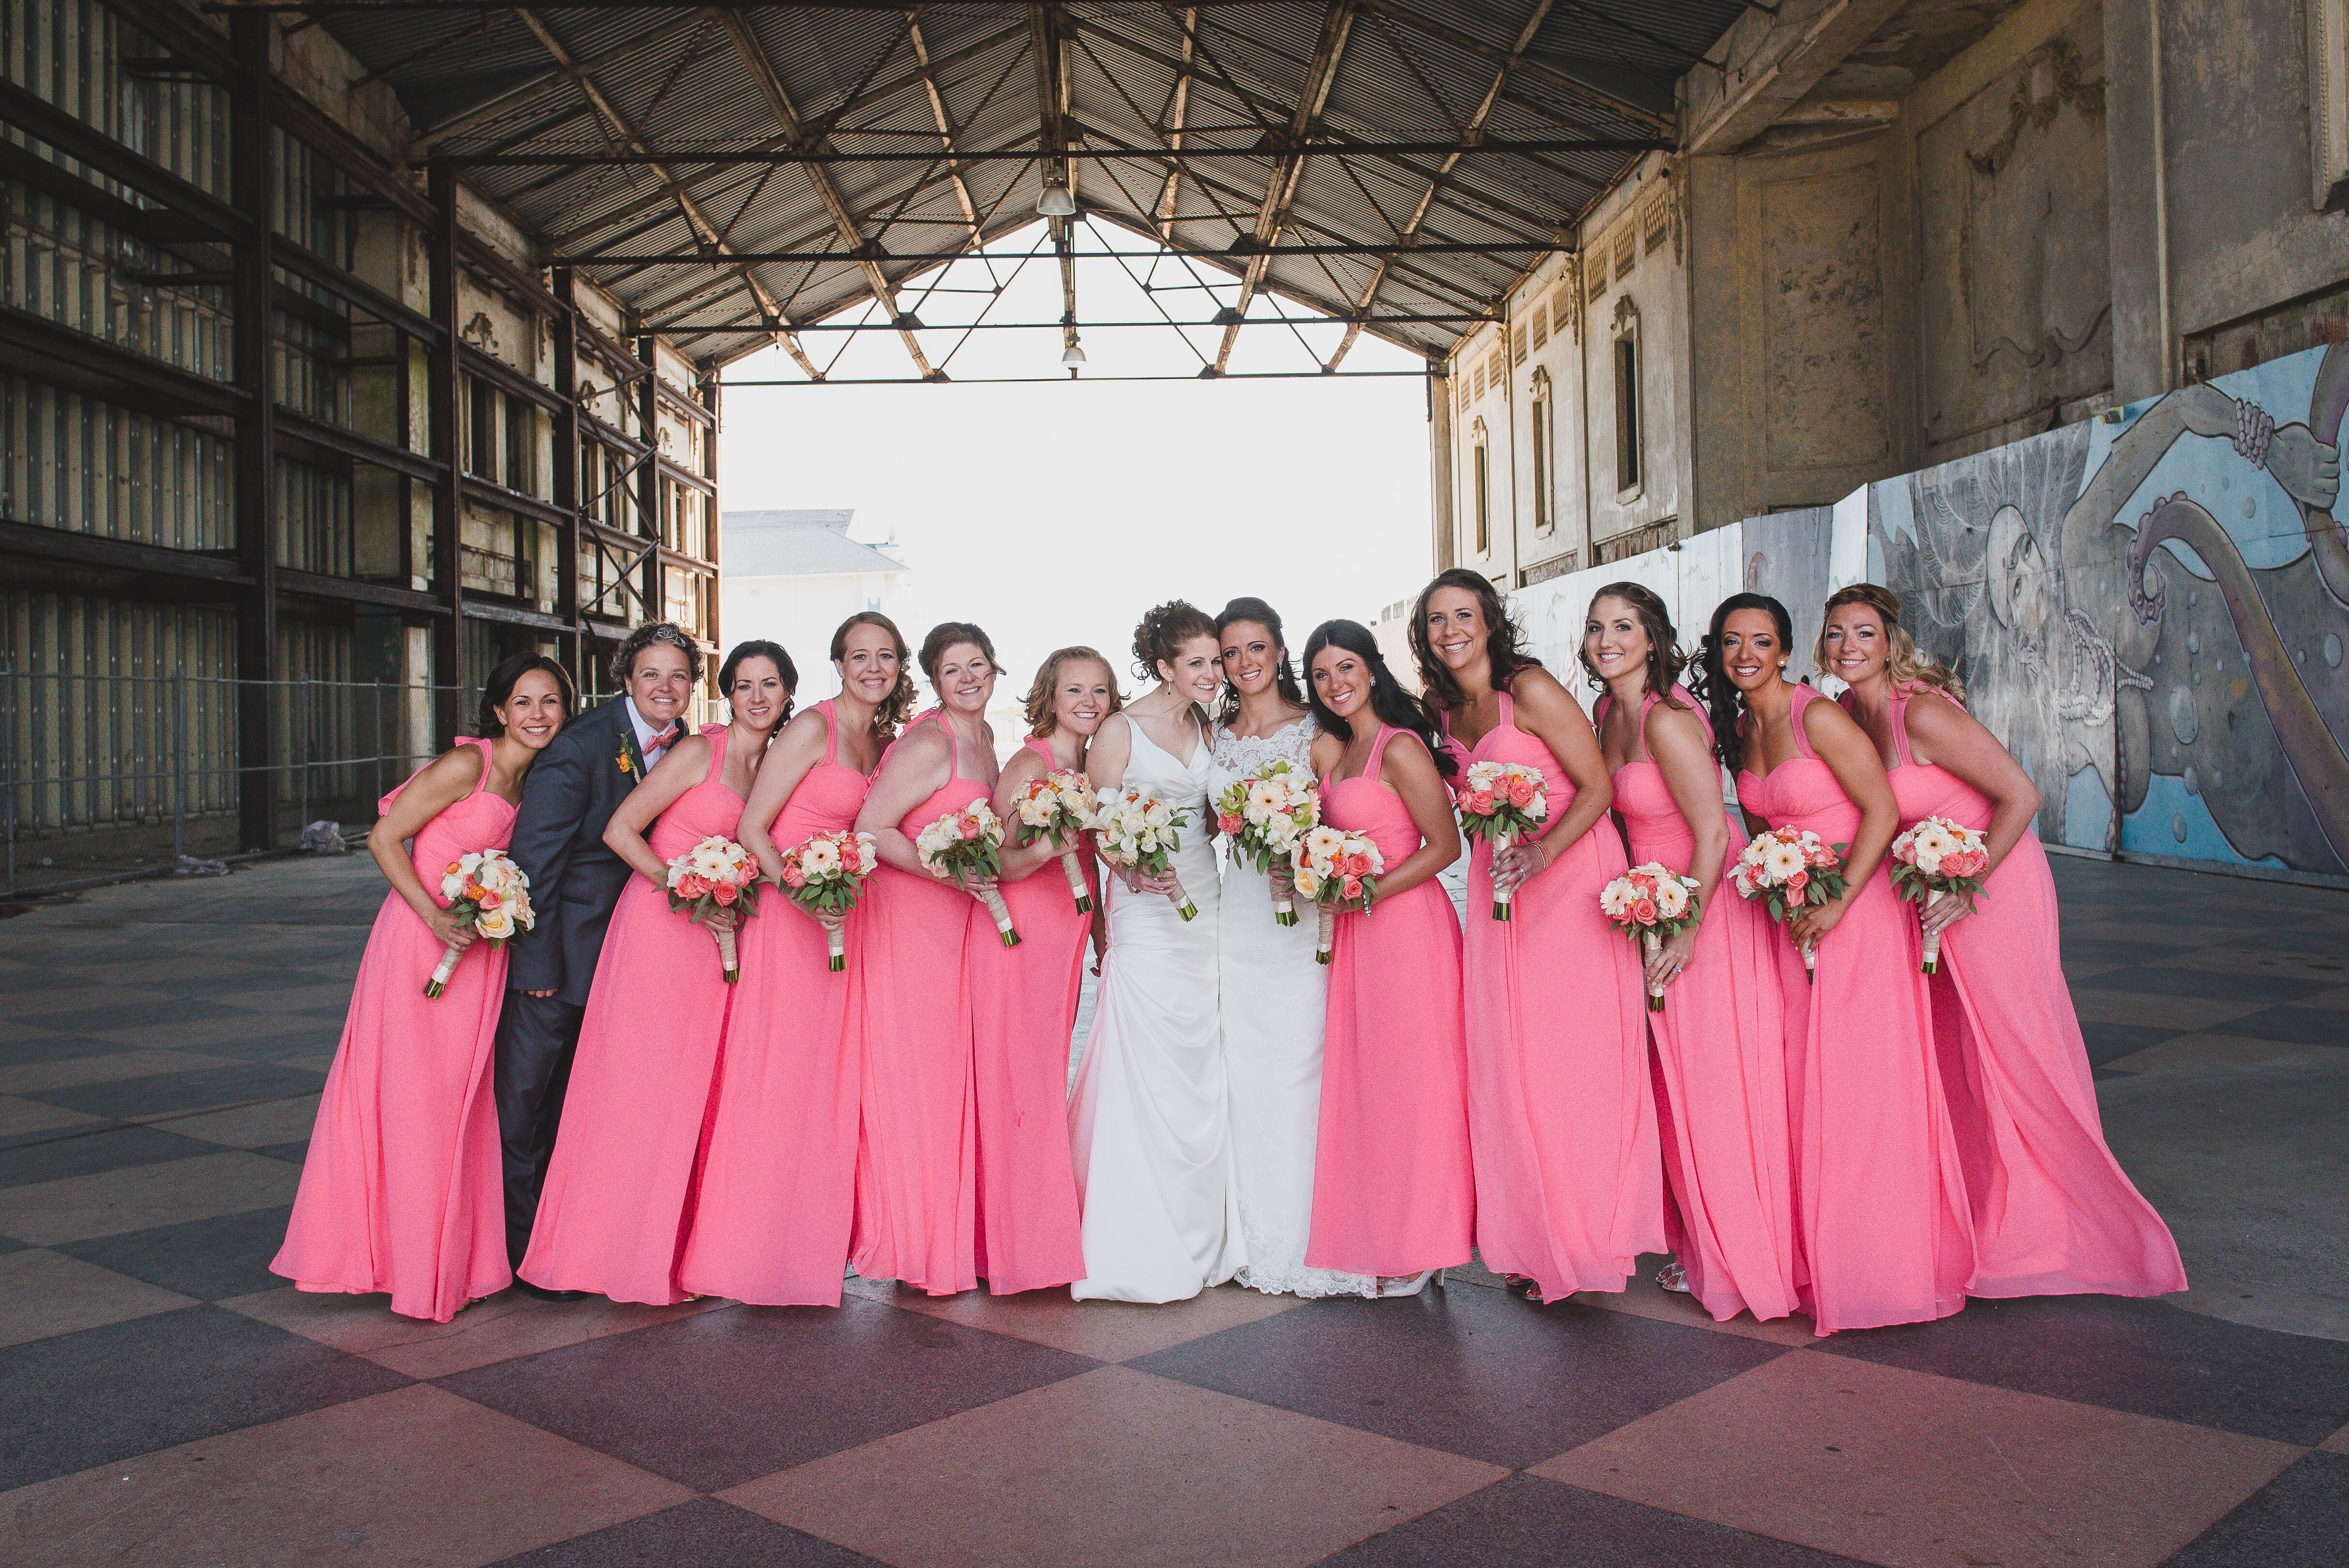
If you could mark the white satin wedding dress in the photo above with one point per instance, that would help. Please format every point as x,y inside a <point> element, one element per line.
<point>1273,998</point>
<point>1150,1118</point>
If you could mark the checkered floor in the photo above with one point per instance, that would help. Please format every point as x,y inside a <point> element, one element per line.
<point>165,1400</point>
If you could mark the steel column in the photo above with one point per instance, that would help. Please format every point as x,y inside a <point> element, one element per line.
<point>444,399</point>
<point>251,149</point>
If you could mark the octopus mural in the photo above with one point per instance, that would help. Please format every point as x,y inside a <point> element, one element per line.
<point>2151,608</point>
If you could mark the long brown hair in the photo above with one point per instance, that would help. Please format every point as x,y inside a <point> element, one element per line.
<point>1505,640</point>
<point>1711,683</point>
<point>1048,680</point>
<point>899,704</point>
<point>1906,668</point>
<point>1665,660</point>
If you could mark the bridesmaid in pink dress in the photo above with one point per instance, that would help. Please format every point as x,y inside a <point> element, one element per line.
<point>1561,1108</point>
<point>1023,1001</point>
<point>401,1190</point>
<point>1880,1202</point>
<point>1720,1041</point>
<point>1394,1191</point>
<point>2053,1213</point>
<point>619,1193</point>
<point>778,1183</point>
<point>909,1011</point>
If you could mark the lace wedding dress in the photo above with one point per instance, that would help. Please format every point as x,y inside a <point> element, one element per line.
<point>1150,1118</point>
<point>1272,999</point>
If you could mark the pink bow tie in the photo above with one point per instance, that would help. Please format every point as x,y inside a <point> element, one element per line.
<point>661,740</point>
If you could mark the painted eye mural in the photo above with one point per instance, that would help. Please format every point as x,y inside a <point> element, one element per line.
<point>2150,608</point>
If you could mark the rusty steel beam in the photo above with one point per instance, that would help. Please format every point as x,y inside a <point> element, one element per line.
<point>693,216</point>
<point>1178,113</point>
<point>1470,134</point>
<point>945,124</point>
<point>850,226</point>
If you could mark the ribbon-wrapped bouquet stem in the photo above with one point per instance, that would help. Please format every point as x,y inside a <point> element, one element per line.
<point>1787,868</point>
<point>1058,807</point>
<point>1939,856</point>
<point>1650,903</point>
<point>1339,871</point>
<point>1139,832</point>
<point>966,844</point>
<point>1265,817</point>
<point>716,874</point>
<point>826,875</point>
<point>489,892</point>
<point>1502,803</point>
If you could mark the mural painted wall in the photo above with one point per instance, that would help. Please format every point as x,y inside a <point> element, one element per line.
<point>2149,608</point>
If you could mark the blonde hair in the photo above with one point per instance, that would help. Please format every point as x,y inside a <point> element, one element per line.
<point>1907,669</point>
<point>1048,677</point>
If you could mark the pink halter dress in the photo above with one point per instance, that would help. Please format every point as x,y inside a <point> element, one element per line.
<point>402,1189</point>
<point>619,1194</point>
<point>1023,1005</point>
<point>1880,1202</point>
<point>2053,1213</point>
<point>1721,1072</point>
<point>1395,1191</point>
<point>1561,1109</point>
<point>777,1188</point>
<point>909,1022</point>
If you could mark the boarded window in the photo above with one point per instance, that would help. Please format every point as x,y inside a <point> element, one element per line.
<point>1484,500</point>
<point>1627,412</point>
<point>1517,345</point>
<point>1594,278</point>
<point>1542,516</point>
<point>1561,306</point>
<point>1541,326</point>
<point>1656,221</point>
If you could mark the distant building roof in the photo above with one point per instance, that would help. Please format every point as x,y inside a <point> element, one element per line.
<point>809,543</point>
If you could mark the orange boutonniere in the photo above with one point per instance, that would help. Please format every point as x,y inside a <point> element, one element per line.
<point>626,765</point>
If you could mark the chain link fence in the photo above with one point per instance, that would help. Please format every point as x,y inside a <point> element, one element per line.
<point>104,777</point>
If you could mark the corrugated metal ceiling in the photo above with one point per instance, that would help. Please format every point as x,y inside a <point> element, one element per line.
<point>1409,71</point>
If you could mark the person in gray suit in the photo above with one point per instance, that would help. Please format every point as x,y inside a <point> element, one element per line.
<point>575,883</point>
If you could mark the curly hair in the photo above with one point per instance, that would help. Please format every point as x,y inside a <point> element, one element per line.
<point>1711,683</point>
<point>947,634</point>
<point>652,634</point>
<point>1164,630</point>
<point>898,706</point>
<point>1665,661</point>
<point>1505,640</point>
<point>1907,669</point>
<point>1040,693</point>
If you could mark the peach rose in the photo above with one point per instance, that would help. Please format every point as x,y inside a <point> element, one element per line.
<point>692,886</point>
<point>1644,911</point>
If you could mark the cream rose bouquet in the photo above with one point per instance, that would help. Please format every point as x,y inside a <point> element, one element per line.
<point>1139,832</point>
<point>1265,817</point>
<point>716,874</point>
<point>826,875</point>
<point>1337,870</point>
<point>1502,803</point>
<point>489,892</point>
<point>1058,807</point>
<point>1650,903</point>
<point>969,843</point>
<point>1939,856</point>
<point>1785,869</point>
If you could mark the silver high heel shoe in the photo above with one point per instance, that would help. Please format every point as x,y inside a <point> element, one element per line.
<point>1411,1284</point>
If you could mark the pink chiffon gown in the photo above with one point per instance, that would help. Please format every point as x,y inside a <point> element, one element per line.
<point>1395,1191</point>
<point>2053,1213</point>
<point>402,1189</point>
<point>1721,1070</point>
<point>1561,1108</point>
<point>909,1025</point>
<point>777,1183</point>
<point>1023,1005</point>
<point>619,1193</point>
<point>1882,1230</point>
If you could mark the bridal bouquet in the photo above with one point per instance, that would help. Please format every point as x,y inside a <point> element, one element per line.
<point>826,876</point>
<point>1265,817</point>
<point>1139,832</point>
<point>1939,856</point>
<point>1501,803</point>
<point>1058,807</point>
<point>1650,903</point>
<point>968,844</point>
<point>1787,868</point>
<point>489,892</point>
<point>1336,869</point>
<point>716,874</point>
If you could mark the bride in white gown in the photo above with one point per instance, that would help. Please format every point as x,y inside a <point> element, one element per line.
<point>1150,1116</point>
<point>1273,990</point>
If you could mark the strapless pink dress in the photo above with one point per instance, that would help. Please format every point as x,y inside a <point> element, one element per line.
<point>402,1188</point>
<point>1561,1109</point>
<point>1880,1221</point>
<point>1394,1191</point>
<point>777,1187</point>
<point>1023,1005</point>
<point>619,1194</point>
<point>1721,1070</point>
<point>909,1021</point>
<point>2053,1213</point>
